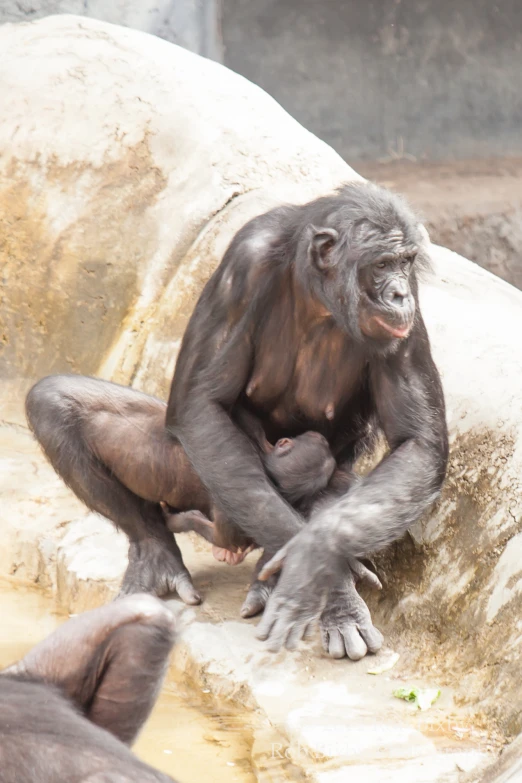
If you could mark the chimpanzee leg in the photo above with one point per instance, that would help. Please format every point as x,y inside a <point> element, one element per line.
<point>57,408</point>
<point>110,661</point>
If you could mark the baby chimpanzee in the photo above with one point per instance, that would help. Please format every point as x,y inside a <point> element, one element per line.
<point>299,467</point>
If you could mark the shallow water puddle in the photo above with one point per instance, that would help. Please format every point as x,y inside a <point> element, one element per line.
<point>26,618</point>
<point>192,745</point>
<point>181,738</point>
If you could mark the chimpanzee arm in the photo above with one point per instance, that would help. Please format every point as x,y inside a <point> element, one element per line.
<point>212,371</point>
<point>410,405</point>
<point>109,661</point>
<point>251,426</point>
<point>378,509</point>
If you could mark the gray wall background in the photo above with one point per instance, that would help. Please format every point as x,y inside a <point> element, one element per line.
<point>432,79</point>
<point>445,76</point>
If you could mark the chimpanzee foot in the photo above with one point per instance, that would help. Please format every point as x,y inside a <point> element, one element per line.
<point>156,567</point>
<point>259,592</point>
<point>346,623</point>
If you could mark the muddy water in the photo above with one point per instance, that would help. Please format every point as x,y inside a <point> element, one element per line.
<point>180,738</point>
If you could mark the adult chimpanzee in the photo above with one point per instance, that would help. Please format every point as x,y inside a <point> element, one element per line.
<point>71,707</point>
<point>311,322</point>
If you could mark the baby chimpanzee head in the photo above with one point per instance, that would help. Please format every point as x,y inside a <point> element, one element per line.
<point>300,466</point>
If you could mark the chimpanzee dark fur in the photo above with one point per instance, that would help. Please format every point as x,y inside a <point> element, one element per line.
<point>310,323</point>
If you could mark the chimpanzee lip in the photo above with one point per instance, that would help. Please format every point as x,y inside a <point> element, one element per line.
<point>395,330</point>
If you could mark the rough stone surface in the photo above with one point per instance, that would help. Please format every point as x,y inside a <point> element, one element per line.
<point>118,198</point>
<point>508,769</point>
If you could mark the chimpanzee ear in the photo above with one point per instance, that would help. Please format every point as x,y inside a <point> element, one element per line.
<point>283,446</point>
<point>321,243</point>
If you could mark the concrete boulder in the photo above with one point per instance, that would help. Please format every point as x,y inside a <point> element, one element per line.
<point>127,164</point>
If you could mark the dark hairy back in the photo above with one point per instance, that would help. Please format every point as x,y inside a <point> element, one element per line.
<point>45,739</point>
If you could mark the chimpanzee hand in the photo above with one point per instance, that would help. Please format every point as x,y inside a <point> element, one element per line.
<point>260,590</point>
<point>346,624</point>
<point>309,572</point>
<point>310,569</point>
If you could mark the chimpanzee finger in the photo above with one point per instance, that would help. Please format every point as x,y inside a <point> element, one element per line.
<point>183,586</point>
<point>274,565</point>
<point>280,632</point>
<point>362,573</point>
<point>353,643</point>
<point>255,601</point>
<point>252,605</point>
<point>372,637</point>
<point>297,632</point>
<point>372,579</point>
<point>266,623</point>
<point>275,626</point>
<point>324,637</point>
<point>309,631</point>
<point>234,558</point>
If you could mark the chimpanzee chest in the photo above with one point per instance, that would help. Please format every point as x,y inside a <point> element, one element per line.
<point>312,384</point>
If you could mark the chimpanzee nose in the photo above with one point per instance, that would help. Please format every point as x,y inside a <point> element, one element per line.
<point>396,293</point>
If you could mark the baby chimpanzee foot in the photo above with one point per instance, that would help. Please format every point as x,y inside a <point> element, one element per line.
<point>156,567</point>
<point>229,557</point>
<point>186,521</point>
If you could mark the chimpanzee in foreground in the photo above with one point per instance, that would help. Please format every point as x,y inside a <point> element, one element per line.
<point>70,708</point>
<point>310,322</point>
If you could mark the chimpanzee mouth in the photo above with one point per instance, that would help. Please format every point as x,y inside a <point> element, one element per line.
<point>395,330</point>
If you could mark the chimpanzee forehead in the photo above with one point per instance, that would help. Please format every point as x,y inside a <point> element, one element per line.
<point>396,243</point>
